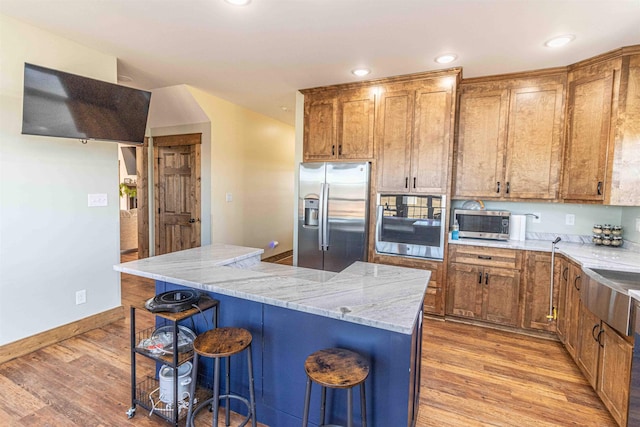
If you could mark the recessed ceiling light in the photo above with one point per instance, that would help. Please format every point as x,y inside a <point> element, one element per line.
<point>446,58</point>
<point>360,72</point>
<point>238,2</point>
<point>560,40</point>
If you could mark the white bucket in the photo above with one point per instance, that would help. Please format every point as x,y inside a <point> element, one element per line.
<point>166,382</point>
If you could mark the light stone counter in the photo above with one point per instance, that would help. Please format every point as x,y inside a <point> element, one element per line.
<point>380,296</point>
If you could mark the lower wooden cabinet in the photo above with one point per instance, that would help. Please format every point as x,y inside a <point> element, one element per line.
<point>572,306</point>
<point>537,306</point>
<point>604,357</point>
<point>614,377</point>
<point>562,271</point>
<point>481,285</point>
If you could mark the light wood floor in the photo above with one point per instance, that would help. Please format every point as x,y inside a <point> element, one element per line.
<point>471,376</point>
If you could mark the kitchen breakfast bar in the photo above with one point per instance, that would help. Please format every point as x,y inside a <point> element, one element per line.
<point>373,309</point>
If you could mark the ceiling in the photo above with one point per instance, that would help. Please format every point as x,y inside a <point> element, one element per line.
<point>257,56</point>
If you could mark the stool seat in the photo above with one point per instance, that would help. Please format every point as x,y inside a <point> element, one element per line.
<point>337,368</point>
<point>222,342</point>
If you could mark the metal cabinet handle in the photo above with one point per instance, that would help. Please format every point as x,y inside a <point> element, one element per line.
<point>593,331</point>
<point>599,340</point>
<point>484,257</point>
<point>486,278</point>
<point>333,150</point>
<point>575,282</point>
<point>565,273</point>
<point>480,277</point>
<point>192,220</point>
<point>498,187</point>
<point>406,182</point>
<point>340,150</point>
<point>599,188</point>
<point>414,182</point>
<point>508,186</point>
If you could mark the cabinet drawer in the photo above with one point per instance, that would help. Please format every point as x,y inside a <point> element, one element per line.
<point>485,256</point>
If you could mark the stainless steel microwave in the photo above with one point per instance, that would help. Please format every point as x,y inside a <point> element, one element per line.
<point>411,225</point>
<point>483,224</point>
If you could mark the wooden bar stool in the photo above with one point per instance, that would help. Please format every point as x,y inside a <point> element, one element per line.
<point>336,368</point>
<point>222,343</point>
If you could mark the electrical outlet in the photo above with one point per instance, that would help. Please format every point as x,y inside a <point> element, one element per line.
<point>570,219</point>
<point>537,218</point>
<point>81,297</point>
<point>97,200</point>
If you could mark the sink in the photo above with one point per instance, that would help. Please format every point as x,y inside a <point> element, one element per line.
<point>606,294</point>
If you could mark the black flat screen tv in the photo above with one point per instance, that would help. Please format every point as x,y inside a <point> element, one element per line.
<point>66,105</point>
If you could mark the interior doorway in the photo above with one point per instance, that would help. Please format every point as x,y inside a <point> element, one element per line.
<point>176,194</point>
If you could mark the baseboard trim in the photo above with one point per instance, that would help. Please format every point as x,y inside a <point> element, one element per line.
<point>55,335</point>
<point>278,257</point>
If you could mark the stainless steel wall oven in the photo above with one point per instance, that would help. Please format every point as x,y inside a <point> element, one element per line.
<point>411,225</point>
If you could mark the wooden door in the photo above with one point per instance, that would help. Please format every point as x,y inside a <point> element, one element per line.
<point>356,124</point>
<point>573,303</point>
<point>588,345</point>
<point>588,137</point>
<point>538,287</point>
<point>430,154</point>
<point>465,290</point>
<point>534,142</point>
<point>615,373</point>
<point>142,173</point>
<point>481,144</point>
<point>320,128</point>
<point>500,296</point>
<point>177,194</point>
<point>393,133</point>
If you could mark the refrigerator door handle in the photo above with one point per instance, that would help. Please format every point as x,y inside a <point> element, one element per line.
<point>325,218</point>
<point>321,219</point>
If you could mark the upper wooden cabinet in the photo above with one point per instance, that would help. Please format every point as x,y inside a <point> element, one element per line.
<point>339,124</point>
<point>603,131</point>
<point>509,143</point>
<point>414,134</point>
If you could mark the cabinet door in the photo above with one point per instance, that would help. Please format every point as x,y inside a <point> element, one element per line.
<point>320,129</point>
<point>588,345</point>
<point>615,373</point>
<point>588,137</point>
<point>481,144</point>
<point>534,142</point>
<point>562,276</point>
<point>355,124</point>
<point>431,141</point>
<point>537,290</point>
<point>393,133</point>
<point>465,290</point>
<point>501,290</point>
<point>573,303</point>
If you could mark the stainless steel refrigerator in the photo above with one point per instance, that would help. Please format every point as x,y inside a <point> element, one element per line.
<point>333,210</point>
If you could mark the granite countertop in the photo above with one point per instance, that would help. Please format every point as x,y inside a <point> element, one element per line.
<point>381,296</point>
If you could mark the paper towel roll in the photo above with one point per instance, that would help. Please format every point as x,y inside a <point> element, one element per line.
<point>518,227</point>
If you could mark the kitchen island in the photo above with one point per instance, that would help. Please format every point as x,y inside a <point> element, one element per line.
<point>292,312</point>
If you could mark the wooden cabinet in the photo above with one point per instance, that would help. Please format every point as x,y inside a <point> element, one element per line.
<point>614,377</point>
<point>509,143</point>
<point>434,296</point>
<point>604,357</point>
<point>339,124</point>
<point>414,135</point>
<point>537,289</point>
<point>603,130</point>
<point>572,307</point>
<point>562,271</point>
<point>484,284</point>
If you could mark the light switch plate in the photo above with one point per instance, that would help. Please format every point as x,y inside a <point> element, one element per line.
<point>95,200</point>
<point>229,197</point>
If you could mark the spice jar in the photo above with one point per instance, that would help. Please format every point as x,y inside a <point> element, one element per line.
<point>597,239</point>
<point>616,230</point>
<point>606,229</point>
<point>597,229</point>
<point>606,240</point>
<point>616,241</point>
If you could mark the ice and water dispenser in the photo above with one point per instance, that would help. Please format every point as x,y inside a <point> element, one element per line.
<point>311,207</point>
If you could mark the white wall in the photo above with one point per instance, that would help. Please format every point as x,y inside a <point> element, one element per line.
<point>51,243</point>
<point>252,160</point>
